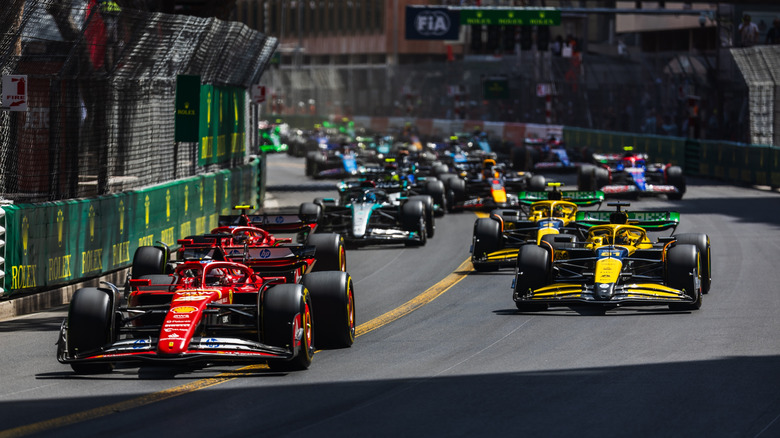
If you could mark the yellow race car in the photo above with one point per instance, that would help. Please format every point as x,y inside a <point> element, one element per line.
<point>616,265</point>
<point>497,239</point>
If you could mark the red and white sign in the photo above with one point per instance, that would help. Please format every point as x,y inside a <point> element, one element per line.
<point>15,92</point>
<point>543,90</point>
<point>258,94</point>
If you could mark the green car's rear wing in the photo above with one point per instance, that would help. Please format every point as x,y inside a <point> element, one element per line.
<point>577,197</point>
<point>649,220</point>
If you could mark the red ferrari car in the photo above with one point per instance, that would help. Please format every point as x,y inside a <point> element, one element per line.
<point>208,311</point>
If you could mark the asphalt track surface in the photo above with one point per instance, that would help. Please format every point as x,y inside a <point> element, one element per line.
<point>459,360</point>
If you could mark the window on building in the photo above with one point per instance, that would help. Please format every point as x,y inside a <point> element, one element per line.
<point>360,19</point>
<point>349,12</point>
<point>330,17</point>
<point>273,28</point>
<point>379,16</point>
<point>292,18</point>
<point>319,15</point>
<point>261,17</point>
<point>309,25</point>
<point>338,17</point>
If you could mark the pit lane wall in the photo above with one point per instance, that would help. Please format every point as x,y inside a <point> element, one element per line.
<point>737,163</point>
<point>53,244</point>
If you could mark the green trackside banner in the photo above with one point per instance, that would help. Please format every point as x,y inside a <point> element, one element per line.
<point>221,124</point>
<point>187,120</point>
<point>57,243</point>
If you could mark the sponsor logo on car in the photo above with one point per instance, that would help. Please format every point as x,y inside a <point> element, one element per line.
<point>192,298</point>
<point>140,343</point>
<point>211,343</point>
<point>184,309</point>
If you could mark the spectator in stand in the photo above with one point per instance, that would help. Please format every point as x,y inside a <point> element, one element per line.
<point>557,46</point>
<point>748,32</point>
<point>650,122</point>
<point>669,127</point>
<point>773,35</point>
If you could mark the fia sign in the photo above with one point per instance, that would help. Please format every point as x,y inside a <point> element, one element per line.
<point>433,23</point>
<point>15,92</point>
<point>423,23</point>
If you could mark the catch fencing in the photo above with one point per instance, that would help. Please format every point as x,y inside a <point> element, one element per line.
<point>92,169</point>
<point>101,84</point>
<point>644,93</point>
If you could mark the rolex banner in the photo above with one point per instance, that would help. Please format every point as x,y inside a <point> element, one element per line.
<point>187,108</point>
<point>221,124</point>
<point>63,242</point>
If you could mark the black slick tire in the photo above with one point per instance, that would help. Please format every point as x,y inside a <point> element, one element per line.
<point>456,193</point>
<point>333,300</point>
<point>90,327</point>
<point>148,260</point>
<point>310,212</point>
<point>285,313</point>
<point>702,243</point>
<point>487,239</point>
<point>413,219</point>
<point>427,201</point>
<point>675,177</point>
<point>435,189</point>
<point>682,268</point>
<point>586,178</point>
<point>533,271</point>
<point>330,253</point>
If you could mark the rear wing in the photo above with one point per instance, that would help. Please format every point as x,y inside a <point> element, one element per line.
<point>649,220</point>
<point>267,221</point>
<point>269,254</point>
<point>575,196</point>
<point>282,222</point>
<point>275,259</point>
<point>370,184</point>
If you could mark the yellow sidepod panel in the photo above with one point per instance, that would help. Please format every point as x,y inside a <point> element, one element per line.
<point>543,232</point>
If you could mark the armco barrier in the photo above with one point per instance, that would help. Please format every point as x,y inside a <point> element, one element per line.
<point>57,243</point>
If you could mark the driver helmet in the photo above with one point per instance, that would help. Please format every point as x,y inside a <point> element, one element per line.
<point>623,237</point>
<point>629,161</point>
<point>214,276</point>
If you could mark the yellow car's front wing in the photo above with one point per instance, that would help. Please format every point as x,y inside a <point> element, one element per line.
<point>638,294</point>
<point>505,258</point>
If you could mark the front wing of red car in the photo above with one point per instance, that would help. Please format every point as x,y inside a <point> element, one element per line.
<point>211,349</point>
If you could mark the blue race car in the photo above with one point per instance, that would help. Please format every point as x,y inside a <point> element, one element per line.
<point>332,160</point>
<point>629,174</point>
